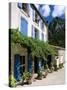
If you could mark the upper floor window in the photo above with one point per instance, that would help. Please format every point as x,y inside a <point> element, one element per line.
<point>36,17</point>
<point>43,36</point>
<point>24,7</point>
<point>35,33</point>
<point>42,26</point>
<point>20,5</point>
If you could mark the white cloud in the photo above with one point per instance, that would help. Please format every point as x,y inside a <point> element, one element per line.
<point>58,11</point>
<point>45,10</point>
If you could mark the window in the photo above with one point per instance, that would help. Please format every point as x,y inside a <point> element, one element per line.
<point>43,36</point>
<point>20,5</point>
<point>36,18</point>
<point>36,33</point>
<point>22,64</point>
<point>24,7</point>
<point>42,26</point>
<point>33,15</point>
<point>33,32</point>
<point>24,26</point>
<point>23,59</point>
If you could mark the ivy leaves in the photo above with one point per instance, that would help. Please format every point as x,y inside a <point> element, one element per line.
<point>35,47</point>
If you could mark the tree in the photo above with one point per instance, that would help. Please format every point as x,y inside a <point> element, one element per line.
<point>57,32</point>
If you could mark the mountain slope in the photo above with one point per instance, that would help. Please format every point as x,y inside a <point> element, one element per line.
<point>56,31</point>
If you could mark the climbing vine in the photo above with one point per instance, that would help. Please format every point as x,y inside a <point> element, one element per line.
<point>35,47</point>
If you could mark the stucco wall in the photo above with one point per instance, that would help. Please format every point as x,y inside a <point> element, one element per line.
<point>13,15</point>
<point>14,20</point>
<point>61,54</point>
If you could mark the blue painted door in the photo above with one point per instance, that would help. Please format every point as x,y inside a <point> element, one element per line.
<point>24,26</point>
<point>17,67</point>
<point>30,63</point>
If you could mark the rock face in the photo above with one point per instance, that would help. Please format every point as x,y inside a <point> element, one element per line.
<point>57,32</point>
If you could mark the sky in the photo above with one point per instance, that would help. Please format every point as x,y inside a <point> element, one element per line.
<point>51,11</point>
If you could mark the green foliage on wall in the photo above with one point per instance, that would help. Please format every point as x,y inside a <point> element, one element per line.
<point>35,47</point>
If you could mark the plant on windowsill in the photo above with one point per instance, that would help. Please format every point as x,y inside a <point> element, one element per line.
<point>12,81</point>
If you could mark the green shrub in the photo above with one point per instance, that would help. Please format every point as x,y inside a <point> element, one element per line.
<point>35,47</point>
<point>27,76</point>
<point>39,73</point>
<point>12,81</point>
<point>45,66</point>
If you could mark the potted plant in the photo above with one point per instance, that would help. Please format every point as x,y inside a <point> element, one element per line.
<point>23,78</point>
<point>39,75</point>
<point>46,70</point>
<point>28,77</point>
<point>12,81</point>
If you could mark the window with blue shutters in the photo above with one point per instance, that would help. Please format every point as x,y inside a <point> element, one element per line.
<point>24,26</point>
<point>43,36</point>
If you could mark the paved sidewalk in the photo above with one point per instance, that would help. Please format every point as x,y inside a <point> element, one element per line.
<point>55,78</point>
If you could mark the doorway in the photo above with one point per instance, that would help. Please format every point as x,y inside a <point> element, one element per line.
<point>35,65</point>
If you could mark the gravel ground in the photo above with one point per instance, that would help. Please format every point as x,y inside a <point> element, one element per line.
<point>55,78</point>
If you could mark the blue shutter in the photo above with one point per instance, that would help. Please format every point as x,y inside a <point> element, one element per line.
<point>20,5</point>
<point>17,67</point>
<point>24,26</point>
<point>30,63</point>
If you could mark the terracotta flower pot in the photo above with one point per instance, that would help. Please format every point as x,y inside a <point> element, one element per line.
<point>29,81</point>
